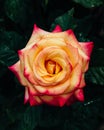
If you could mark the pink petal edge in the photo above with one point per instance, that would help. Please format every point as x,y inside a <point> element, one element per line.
<point>58,101</point>
<point>26,97</point>
<point>69,31</point>
<point>79,94</point>
<point>33,100</point>
<point>87,47</point>
<point>57,29</point>
<point>14,69</point>
<point>36,28</point>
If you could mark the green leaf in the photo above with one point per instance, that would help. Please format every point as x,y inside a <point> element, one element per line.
<point>30,118</point>
<point>84,116</point>
<point>12,39</point>
<point>95,75</point>
<point>84,26</point>
<point>10,42</point>
<point>7,56</point>
<point>89,3</point>
<point>20,11</point>
<point>53,116</point>
<point>81,27</point>
<point>66,21</point>
<point>24,13</point>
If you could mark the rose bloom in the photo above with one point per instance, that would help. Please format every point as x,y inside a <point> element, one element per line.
<point>52,67</point>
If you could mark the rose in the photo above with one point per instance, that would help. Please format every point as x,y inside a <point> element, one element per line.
<point>52,67</point>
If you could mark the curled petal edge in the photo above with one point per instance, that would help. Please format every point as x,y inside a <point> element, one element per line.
<point>87,47</point>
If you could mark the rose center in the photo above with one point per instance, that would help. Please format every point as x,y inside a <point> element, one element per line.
<point>52,67</point>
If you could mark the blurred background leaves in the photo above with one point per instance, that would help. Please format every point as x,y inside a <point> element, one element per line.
<point>17,18</point>
<point>89,3</point>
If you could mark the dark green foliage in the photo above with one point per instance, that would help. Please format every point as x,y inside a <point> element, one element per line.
<point>65,21</point>
<point>89,3</point>
<point>86,18</point>
<point>20,11</point>
<point>96,75</point>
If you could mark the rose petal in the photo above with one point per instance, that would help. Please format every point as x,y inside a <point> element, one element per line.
<point>57,29</point>
<point>26,66</point>
<point>72,53</point>
<point>87,47</point>
<point>34,100</point>
<point>71,39</point>
<point>56,100</point>
<point>82,82</point>
<point>32,90</point>
<point>36,36</point>
<point>79,94</point>
<point>17,71</point>
<point>75,79</point>
<point>26,97</point>
<point>57,55</point>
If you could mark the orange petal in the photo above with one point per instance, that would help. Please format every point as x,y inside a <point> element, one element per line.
<point>75,79</point>
<point>71,39</point>
<point>73,54</point>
